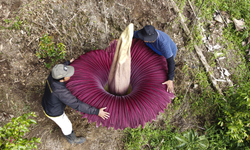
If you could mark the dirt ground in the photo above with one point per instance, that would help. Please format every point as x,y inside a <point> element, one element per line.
<point>82,26</point>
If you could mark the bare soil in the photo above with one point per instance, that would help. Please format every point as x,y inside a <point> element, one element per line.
<point>82,26</point>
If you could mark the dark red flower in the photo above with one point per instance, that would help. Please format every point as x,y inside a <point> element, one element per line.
<point>147,98</point>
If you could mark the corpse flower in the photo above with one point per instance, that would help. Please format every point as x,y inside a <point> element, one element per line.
<point>147,97</point>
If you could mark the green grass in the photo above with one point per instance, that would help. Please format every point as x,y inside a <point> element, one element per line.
<point>236,9</point>
<point>151,137</point>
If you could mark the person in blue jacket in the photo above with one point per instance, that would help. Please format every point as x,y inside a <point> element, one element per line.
<point>163,45</point>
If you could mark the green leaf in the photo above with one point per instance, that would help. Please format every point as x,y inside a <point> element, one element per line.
<point>182,145</point>
<point>190,136</point>
<point>32,121</point>
<point>181,139</point>
<point>204,143</point>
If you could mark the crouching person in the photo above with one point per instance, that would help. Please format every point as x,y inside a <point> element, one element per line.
<point>57,96</point>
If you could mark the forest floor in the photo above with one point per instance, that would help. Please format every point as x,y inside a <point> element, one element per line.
<point>88,25</point>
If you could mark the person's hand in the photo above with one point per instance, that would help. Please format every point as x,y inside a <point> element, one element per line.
<point>170,86</point>
<point>104,115</point>
<point>71,60</point>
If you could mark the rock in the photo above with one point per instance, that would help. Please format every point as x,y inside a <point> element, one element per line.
<point>226,72</point>
<point>217,46</point>
<point>218,18</point>
<point>239,24</point>
<point>244,43</point>
<point>228,20</point>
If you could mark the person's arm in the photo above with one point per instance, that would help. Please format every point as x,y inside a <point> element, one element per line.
<point>67,98</point>
<point>170,76</point>
<point>166,51</point>
<point>171,68</point>
<point>68,62</point>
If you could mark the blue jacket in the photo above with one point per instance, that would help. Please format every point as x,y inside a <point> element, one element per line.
<point>164,46</point>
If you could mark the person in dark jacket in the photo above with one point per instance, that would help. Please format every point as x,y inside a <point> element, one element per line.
<point>57,96</point>
<point>163,45</point>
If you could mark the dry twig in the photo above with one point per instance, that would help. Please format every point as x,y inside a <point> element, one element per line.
<point>104,11</point>
<point>73,17</point>
<point>191,7</point>
<point>52,24</point>
<point>196,17</point>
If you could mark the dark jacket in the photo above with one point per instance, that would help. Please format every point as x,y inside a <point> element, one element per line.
<point>57,96</point>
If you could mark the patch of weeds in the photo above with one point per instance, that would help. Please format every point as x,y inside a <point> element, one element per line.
<point>185,69</point>
<point>28,30</point>
<point>17,23</point>
<point>13,23</point>
<point>151,137</point>
<point>191,140</point>
<point>199,102</point>
<point>181,4</point>
<point>197,36</point>
<point>26,107</point>
<point>49,50</point>
<point>211,61</point>
<point>178,100</point>
<point>7,21</point>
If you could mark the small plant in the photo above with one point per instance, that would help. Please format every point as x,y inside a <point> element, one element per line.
<point>236,113</point>
<point>17,23</point>
<point>11,135</point>
<point>191,140</point>
<point>47,49</point>
<point>13,23</point>
<point>7,21</point>
<point>151,137</point>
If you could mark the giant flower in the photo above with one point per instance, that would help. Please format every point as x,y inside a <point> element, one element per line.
<point>147,97</point>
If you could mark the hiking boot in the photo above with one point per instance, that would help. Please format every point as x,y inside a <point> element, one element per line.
<point>73,139</point>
